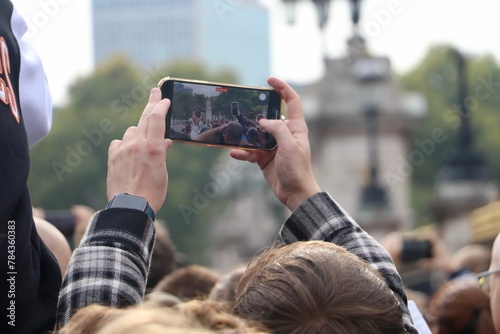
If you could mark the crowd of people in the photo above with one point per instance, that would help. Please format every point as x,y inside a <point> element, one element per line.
<point>238,130</point>
<point>323,274</point>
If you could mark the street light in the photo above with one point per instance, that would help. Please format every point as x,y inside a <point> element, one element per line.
<point>356,8</point>
<point>290,9</point>
<point>466,163</point>
<point>373,195</point>
<point>369,72</point>
<point>323,10</point>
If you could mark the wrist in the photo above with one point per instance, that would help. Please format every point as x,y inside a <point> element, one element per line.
<point>294,201</point>
<point>299,197</point>
<point>128,201</point>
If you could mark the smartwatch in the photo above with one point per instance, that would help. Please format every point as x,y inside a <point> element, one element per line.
<point>131,202</point>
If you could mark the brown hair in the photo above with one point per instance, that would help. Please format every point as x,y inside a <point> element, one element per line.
<point>193,281</point>
<point>460,306</point>
<point>194,317</point>
<point>90,319</point>
<point>317,287</point>
<point>234,131</point>
<point>226,287</point>
<point>216,316</point>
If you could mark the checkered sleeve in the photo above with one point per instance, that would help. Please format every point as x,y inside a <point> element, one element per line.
<point>111,264</point>
<point>321,218</point>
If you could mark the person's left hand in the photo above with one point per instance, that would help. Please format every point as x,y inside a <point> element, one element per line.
<point>137,163</point>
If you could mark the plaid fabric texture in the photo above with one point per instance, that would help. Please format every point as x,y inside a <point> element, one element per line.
<point>111,264</point>
<point>321,218</point>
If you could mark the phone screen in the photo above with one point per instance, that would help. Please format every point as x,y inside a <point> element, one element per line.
<point>220,114</point>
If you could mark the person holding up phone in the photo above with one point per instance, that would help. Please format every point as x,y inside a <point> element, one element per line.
<point>111,264</point>
<point>315,216</point>
<point>137,165</point>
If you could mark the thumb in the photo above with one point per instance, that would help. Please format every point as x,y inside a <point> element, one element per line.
<point>278,130</point>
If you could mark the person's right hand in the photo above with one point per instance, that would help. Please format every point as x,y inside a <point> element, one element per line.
<point>287,169</point>
<point>137,163</point>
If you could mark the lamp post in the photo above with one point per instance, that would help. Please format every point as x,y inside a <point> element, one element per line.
<point>466,163</point>
<point>323,10</point>
<point>370,72</point>
<point>464,183</point>
<point>373,195</point>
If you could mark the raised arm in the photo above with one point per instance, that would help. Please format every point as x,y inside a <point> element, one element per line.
<point>210,135</point>
<point>111,264</point>
<point>316,216</point>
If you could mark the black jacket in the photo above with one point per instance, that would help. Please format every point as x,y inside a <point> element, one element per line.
<point>30,276</point>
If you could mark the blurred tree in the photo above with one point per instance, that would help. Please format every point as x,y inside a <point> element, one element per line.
<point>436,78</point>
<point>69,166</point>
<point>180,68</point>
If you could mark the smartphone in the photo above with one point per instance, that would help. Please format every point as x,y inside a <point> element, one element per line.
<point>235,106</point>
<point>415,249</point>
<point>219,114</point>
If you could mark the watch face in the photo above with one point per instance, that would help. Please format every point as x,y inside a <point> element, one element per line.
<point>130,202</point>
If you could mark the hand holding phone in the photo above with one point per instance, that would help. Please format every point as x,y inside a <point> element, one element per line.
<point>205,106</point>
<point>288,169</point>
<point>137,163</point>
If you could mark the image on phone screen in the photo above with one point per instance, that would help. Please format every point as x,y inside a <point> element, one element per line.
<point>220,115</point>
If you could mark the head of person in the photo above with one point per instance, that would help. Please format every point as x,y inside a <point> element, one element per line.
<point>476,258</point>
<point>233,133</point>
<point>225,289</point>
<point>55,241</point>
<point>317,287</point>
<point>460,307</point>
<point>194,317</point>
<point>90,319</point>
<point>192,281</point>
<point>252,136</point>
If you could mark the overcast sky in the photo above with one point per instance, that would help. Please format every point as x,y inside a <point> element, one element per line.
<point>401,29</point>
